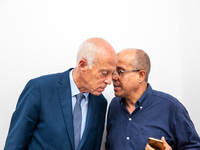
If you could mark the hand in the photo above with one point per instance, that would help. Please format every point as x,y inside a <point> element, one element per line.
<point>148,147</point>
<point>166,145</point>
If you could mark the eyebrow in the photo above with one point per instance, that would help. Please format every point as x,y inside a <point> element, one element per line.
<point>119,68</point>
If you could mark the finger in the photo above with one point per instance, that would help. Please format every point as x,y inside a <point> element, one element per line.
<point>163,138</point>
<point>148,147</point>
<point>166,145</point>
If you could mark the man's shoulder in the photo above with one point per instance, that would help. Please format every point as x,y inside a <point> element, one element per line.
<point>115,101</point>
<point>163,95</point>
<point>167,99</point>
<point>52,76</point>
<point>49,79</point>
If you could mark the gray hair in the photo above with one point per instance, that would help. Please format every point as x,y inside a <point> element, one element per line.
<point>87,51</point>
<point>142,61</point>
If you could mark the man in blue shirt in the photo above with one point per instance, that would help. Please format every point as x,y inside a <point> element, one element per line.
<point>139,112</point>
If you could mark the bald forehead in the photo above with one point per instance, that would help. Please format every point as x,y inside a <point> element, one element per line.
<point>128,54</point>
<point>96,40</point>
<point>100,43</point>
<point>131,52</point>
<point>102,48</point>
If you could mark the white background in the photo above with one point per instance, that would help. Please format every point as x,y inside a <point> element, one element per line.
<point>42,37</point>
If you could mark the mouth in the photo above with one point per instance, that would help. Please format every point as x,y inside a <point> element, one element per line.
<point>102,88</point>
<point>116,86</point>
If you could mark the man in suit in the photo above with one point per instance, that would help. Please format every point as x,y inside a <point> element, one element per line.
<point>44,116</point>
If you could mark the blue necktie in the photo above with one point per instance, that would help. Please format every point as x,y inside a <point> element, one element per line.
<point>77,119</point>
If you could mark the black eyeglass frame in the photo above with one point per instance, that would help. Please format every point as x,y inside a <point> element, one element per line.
<point>121,72</point>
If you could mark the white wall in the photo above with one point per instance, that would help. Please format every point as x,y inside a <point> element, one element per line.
<point>42,36</point>
<point>190,52</point>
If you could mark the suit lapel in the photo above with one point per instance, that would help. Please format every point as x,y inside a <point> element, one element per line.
<point>64,91</point>
<point>90,116</point>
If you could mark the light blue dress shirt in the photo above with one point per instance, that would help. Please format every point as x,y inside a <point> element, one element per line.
<point>84,102</point>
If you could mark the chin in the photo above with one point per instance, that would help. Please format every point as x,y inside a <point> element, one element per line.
<point>117,94</point>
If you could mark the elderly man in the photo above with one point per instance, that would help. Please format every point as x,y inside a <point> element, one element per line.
<point>139,112</point>
<point>65,111</point>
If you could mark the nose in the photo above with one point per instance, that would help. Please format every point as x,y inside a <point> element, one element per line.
<point>114,76</point>
<point>108,80</point>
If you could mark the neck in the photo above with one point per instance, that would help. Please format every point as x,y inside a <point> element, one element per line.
<point>134,97</point>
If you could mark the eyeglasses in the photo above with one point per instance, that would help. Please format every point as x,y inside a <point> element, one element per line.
<point>121,72</point>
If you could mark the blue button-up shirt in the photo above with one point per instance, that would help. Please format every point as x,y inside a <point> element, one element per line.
<point>84,101</point>
<point>157,114</point>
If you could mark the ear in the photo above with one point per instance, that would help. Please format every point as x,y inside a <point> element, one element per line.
<point>82,65</point>
<point>142,75</point>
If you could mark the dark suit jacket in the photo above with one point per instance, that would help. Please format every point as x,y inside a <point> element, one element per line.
<point>43,117</point>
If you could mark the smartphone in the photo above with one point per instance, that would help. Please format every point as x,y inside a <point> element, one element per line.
<point>156,144</point>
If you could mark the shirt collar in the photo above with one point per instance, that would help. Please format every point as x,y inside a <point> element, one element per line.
<point>145,96</point>
<point>74,88</point>
<point>143,99</point>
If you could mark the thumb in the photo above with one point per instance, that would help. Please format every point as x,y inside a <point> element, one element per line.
<point>163,139</point>
<point>166,145</point>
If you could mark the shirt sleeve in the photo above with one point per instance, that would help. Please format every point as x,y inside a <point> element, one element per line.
<point>24,118</point>
<point>186,135</point>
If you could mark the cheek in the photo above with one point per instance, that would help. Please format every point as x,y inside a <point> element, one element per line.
<point>95,81</point>
<point>92,78</point>
<point>127,85</point>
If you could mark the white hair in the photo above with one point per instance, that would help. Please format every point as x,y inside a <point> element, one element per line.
<point>87,51</point>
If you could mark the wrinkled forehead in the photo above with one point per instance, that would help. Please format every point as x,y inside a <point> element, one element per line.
<point>108,56</point>
<point>108,63</point>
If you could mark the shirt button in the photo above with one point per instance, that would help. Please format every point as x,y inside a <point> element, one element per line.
<point>140,107</point>
<point>127,138</point>
<point>129,119</point>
